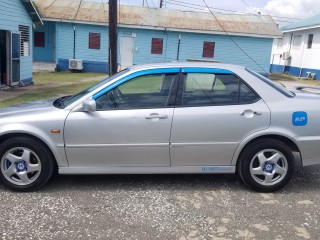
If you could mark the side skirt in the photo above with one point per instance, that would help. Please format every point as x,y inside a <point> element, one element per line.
<point>148,170</point>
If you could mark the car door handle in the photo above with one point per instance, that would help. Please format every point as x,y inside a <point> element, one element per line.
<point>250,112</point>
<point>156,116</point>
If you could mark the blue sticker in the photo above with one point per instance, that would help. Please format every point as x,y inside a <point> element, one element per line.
<point>299,119</point>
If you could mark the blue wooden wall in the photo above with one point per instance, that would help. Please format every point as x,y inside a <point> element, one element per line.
<point>259,49</point>
<point>13,14</point>
<point>45,53</point>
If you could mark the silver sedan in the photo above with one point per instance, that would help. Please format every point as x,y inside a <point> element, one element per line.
<point>166,118</point>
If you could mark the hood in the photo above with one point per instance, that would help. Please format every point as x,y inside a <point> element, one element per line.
<point>28,108</point>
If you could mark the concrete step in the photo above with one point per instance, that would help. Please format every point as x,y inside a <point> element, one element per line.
<point>43,67</point>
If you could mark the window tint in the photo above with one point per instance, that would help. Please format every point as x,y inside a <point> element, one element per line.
<point>203,89</point>
<point>149,91</point>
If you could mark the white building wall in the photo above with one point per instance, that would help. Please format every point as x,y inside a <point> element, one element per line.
<point>302,57</point>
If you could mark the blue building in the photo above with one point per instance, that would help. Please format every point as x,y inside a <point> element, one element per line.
<point>79,30</point>
<point>16,20</point>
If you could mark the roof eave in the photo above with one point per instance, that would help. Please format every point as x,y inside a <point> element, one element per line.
<point>34,14</point>
<point>300,28</point>
<point>167,29</point>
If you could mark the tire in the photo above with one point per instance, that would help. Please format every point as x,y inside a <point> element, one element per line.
<point>25,164</point>
<point>266,165</point>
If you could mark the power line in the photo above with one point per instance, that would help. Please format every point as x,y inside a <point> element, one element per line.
<point>50,4</point>
<point>201,7</point>
<point>232,38</point>
<point>75,17</point>
<point>250,7</point>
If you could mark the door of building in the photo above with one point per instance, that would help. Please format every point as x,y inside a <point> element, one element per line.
<point>3,58</point>
<point>126,51</point>
<point>13,58</point>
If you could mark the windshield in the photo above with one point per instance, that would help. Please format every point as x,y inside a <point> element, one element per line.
<point>66,101</point>
<point>278,87</point>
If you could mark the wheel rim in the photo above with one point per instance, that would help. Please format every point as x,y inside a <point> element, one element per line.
<point>268,167</point>
<point>20,166</point>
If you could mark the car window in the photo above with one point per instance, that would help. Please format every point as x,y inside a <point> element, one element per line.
<point>203,89</point>
<point>148,91</point>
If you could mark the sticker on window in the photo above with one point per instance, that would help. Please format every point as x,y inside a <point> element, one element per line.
<point>299,119</point>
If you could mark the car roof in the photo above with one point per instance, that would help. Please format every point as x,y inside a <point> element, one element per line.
<point>230,67</point>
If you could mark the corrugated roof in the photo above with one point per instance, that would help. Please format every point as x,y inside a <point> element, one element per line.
<point>32,11</point>
<point>305,23</point>
<point>97,12</point>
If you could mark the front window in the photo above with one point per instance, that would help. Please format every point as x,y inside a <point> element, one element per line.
<point>148,91</point>
<point>64,102</point>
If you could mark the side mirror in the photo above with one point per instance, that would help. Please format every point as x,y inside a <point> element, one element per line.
<point>89,105</point>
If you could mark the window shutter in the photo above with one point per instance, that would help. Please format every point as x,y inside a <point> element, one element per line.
<point>24,40</point>
<point>39,39</point>
<point>94,40</point>
<point>208,49</point>
<point>156,46</point>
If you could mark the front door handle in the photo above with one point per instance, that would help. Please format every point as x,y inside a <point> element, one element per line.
<point>157,116</point>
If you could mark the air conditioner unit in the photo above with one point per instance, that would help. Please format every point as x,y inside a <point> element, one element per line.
<point>75,64</point>
<point>286,56</point>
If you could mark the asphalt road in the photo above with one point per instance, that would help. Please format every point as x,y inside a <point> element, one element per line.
<point>162,207</point>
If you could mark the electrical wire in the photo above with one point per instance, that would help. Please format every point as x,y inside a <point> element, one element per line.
<point>50,4</point>
<point>201,7</point>
<point>75,17</point>
<point>249,7</point>
<point>231,38</point>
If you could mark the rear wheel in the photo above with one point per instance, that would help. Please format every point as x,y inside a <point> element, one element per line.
<point>266,165</point>
<point>25,164</point>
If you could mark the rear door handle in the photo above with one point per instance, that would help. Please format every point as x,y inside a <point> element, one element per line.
<point>249,113</point>
<point>157,116</point>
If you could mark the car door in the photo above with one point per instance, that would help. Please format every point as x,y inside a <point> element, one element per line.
<point>215,111</point>
<point>131,126</point>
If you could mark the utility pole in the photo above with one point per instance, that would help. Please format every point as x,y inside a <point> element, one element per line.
<point>161,3</point>
<point>113,37</point>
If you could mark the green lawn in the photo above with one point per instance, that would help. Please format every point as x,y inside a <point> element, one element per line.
<point>48,85</point>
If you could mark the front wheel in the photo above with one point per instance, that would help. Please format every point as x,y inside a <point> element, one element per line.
<point>25,164</point>
<point>266,165</point>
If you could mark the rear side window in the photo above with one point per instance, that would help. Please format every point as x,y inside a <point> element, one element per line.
<point>205,89</point>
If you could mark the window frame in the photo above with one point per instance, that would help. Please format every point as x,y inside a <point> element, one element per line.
<point>310,41</point>
<point>36,42</point>
<point>171,96</point>
<point>156,50</point>
<point>179,101</point>
<point>24,39</point>
<point>205,54</point>
<point>92,37</point>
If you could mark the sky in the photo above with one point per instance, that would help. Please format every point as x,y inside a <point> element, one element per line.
<point>283,11</point>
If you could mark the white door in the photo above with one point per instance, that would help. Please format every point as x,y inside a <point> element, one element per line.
<point>126,52</point>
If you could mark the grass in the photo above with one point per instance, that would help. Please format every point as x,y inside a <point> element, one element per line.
<point>48,85</point>
<point>289,78</point>
<point>61,77</point>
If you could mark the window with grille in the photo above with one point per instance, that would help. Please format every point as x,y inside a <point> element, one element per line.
<point>157,46</point>
<point>39,39</point>
<point>24,40</point>
<point>310,40</point>
<point>208,49</point>
<point>94,40</point>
